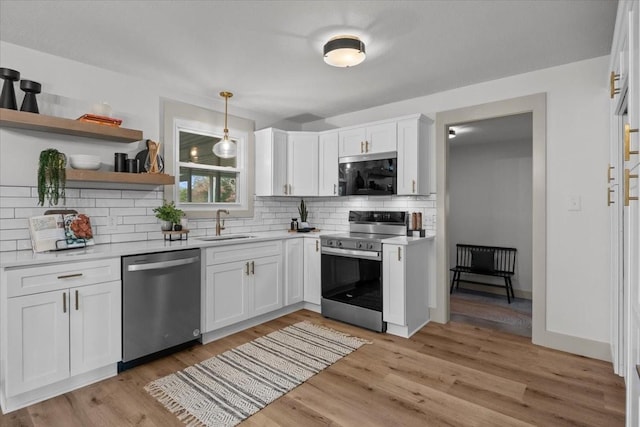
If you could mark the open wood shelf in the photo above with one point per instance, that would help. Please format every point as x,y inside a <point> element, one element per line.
<point>39,122</point>
<point>120,177</point>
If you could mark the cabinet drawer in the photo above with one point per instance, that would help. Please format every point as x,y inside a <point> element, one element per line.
<point>243,251</point>
<point>32,280</point>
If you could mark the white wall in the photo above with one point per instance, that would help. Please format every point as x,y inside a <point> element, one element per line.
<point>577,133</point>
<point>490,201</point>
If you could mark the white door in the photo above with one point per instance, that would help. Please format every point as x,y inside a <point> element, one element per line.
<point>632,218</point>
<point>226,299</point>
<point>303,163</point>
<point>294,271</point>
<point>266,284</point>
<point>38,341</point>
<point>312,291</point>
<point>95,326</point>
<point>328,164</point>
<point>393,284</point>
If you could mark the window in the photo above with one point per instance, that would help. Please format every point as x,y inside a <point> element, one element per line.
<point>205,182</point>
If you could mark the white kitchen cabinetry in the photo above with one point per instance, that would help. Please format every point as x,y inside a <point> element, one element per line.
<point>242,281</point>
<point>413,156</point>
<point>328,164</point>
<point>405,286</point>
<point>375,138</point>
<point>286,163</point>
<point>312,291</point>
<point>294,271</point>
<point>65,333</point>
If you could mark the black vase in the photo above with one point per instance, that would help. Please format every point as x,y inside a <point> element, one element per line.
<point>8,96</point>
<point>177,227</point>
<point>29,102</point>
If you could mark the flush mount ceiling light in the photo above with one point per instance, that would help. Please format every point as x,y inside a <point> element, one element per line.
<point>452,133</point>
<point>225,148</point>
<point>344,51</point>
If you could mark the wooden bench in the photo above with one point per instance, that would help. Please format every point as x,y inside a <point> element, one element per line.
<point>485,260</point>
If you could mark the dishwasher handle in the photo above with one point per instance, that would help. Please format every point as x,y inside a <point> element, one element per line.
<point>162,264</point>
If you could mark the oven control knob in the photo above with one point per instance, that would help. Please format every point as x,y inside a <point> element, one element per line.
<point>360,245</point>
<point>339,244</point>
<point>370,246</point>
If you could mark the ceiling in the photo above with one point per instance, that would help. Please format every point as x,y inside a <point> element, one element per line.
<point>269,53</point>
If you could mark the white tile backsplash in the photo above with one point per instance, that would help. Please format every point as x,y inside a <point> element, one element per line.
<point>137,221</point>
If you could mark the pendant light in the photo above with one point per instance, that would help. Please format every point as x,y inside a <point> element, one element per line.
<point>225,148</point>
<point>344,51</point>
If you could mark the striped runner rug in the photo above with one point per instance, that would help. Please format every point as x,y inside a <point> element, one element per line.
<point>226,389</point>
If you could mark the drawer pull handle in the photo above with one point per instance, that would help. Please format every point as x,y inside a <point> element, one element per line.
<point>361,146</point>
<point>77,303</point>
<point>399,255</point>
<point>613,78</point>
<point>285,189</point>
<point>253,268</point>
<point>64,302</point>
<point>609,200</point>
<point>413,185</point>
<point>69,276</point>
<point>627,142</point>
<point>246,265</point>
<point>627,191</point>
<point>316,246</point>
<point>609,177</point>
<point>334,188</point>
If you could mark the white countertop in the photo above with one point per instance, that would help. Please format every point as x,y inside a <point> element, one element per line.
<point>28,258</point>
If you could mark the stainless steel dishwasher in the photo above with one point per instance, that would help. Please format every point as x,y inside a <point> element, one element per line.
<point>160,304</point>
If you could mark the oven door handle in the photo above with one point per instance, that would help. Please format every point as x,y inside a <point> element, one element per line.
<point>352,253</point>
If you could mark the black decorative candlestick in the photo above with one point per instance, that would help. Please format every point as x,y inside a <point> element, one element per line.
<point>30,89</point>
<point>8,97</point>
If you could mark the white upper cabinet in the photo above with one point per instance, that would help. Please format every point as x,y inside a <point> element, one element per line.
<point>271,162</point>
<point>378,138</point>
<point>286,163</point>
<point>413,156</point>
<point>302,164</point>
<point>328,164</point>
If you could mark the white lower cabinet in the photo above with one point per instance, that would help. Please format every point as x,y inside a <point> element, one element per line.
<point>312,290</point>
<point>55,335</point>
<point>242,281</point>
<point>405,286</point>
<point>294,270</point>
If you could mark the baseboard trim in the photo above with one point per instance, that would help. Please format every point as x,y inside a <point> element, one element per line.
<point>575,345</point>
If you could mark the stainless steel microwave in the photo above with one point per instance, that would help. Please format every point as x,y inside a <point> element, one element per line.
<point>369,174</point>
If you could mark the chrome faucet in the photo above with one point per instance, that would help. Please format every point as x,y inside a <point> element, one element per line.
<point>218,226</point>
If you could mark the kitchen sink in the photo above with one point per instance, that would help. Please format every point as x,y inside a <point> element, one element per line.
<point>229,237</point>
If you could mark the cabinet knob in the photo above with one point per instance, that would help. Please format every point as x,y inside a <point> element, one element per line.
<point>64,302</point>
<point>609,177</point>
<point>334,188</point>
<point>285,189</point>
<point>413,185</point>
<point>399,254</point>
<point>69,276</point>
<point>253,268</point>
<point>77,303</point>
<point>246,266</point>
<point>361,146</point>
<point>317,246</point>
<point>366,146</point>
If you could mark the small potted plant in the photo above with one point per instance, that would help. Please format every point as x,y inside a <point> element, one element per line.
<point>302,210</point>
<point>170,216</point>
<point>51,176</point>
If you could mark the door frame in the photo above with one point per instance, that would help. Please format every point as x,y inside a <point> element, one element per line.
<point>535,104</point>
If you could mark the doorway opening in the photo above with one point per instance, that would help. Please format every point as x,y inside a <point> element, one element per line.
<point>536,106</point>
<point>490,204</point>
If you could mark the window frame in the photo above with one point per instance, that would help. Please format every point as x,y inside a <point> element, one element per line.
<point>178,116</point>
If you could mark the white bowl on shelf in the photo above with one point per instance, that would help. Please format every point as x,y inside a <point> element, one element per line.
<point>84,161</point>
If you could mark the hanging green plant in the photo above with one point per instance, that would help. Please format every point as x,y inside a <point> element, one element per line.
<point>52,178</point>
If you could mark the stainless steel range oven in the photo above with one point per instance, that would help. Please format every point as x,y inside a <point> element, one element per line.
<point>351,268</point>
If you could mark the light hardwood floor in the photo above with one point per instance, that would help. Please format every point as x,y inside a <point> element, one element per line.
<point>453,375</point>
